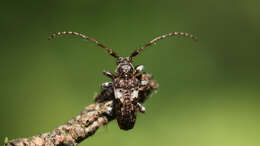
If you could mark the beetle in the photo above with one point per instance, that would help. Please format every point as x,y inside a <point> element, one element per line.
<point>126,82</point>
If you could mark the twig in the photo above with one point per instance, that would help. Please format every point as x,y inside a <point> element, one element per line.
<point>86,123</point>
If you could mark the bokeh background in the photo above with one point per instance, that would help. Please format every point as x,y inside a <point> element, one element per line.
<point>209,90</point>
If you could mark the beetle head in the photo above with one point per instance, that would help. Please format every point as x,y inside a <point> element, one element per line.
<point>124,66</point>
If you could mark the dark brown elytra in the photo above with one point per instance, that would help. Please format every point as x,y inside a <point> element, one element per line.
<point>126,81</point>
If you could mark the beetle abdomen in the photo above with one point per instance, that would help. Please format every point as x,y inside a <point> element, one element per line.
<point>125,114</point>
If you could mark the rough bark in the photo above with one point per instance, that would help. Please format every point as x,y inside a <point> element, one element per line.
<point>86,123</point>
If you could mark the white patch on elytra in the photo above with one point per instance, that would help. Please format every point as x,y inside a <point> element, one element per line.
<point>134,94</point>
<point>118,93</point>
<point>122,94</point>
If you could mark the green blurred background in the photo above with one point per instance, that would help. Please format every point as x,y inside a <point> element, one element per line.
<point>209,90</point>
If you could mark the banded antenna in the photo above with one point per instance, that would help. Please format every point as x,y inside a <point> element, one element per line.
<point>111,52</point>
<point>136,52</point>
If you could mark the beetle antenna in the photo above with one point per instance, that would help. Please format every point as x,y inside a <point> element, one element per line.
<point>136,52</point>
<point>111,52</point>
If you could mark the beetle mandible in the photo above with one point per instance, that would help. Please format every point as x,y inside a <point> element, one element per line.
<point>126,81</point>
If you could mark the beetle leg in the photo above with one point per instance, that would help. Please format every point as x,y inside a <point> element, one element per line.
<point>109,74</point>
<point>106,85</point>
<point>139,68</point>
<point>141,108</point>
<point>106,94</point>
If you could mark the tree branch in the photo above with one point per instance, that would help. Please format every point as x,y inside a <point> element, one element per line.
<point>86,123</point>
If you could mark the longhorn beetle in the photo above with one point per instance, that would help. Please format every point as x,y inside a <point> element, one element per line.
<point>126,81</point>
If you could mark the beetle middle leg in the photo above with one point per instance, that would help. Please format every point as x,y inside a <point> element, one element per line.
<point>106,85</point>
<point>107,92</point>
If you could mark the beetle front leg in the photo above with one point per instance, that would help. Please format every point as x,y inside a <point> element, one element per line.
<point>139,68</point>
<point>141,108</point>
<point>109,74</point>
